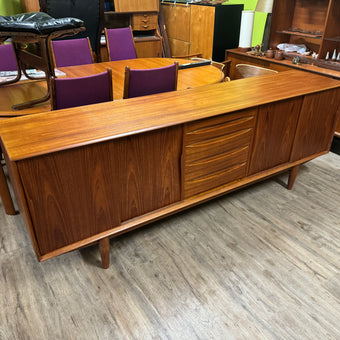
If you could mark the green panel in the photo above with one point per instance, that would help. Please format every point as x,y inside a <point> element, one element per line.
<point>10,7</point>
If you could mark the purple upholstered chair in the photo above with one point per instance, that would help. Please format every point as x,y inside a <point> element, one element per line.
<point>8,62</point>
<point>120,43</point>
<point>72,52</point>
<point>150,81</point>
<point>70,92</point>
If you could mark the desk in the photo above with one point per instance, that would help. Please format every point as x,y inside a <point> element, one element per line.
<point>83,175</point>
<point>24,91</point>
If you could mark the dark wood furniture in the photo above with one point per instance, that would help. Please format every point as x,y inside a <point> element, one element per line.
<point>134,161</point>
<point>315,23</point>
<point>205,29</point>
<point>237,57</point>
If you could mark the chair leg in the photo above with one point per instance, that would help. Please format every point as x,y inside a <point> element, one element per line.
<point>292,176</point>
<point>5,194</point>
<point>104,248</point>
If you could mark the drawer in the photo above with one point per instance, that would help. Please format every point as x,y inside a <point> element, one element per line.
<point>219,130</point>
<point>144,22</point>
<point>219,126</point>
<point>217,146</point>
<point>209,166</point>
<point>199,185</point>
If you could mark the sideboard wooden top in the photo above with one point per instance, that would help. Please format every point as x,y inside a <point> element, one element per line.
<point>38,134</point>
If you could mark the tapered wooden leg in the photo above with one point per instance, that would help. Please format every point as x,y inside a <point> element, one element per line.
<point>104,248</point>
<point>5,194</point>
<point>292,175</point>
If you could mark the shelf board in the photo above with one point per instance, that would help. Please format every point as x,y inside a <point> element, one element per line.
<point>333,39</point>
<point>307,35</point>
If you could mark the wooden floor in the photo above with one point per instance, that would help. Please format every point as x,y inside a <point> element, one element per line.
<point>261,263</point>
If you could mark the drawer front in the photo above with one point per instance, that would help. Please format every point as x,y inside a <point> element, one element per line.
<point>219,126</point>
<point>211,165</point>
<point>144,22</point>
<point>216,151</point>
<point>217,146</point>
<point>198,185</point>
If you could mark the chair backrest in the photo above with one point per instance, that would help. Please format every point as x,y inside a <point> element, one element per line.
<point>71,52</point>
<point>150,81</point>
<point>247,71</point>
<point>8,61</point>
<point>90,11</point>
<point>70,92</point>
<point>120,43</point>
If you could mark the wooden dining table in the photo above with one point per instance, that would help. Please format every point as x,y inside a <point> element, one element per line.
<point>27,90</point>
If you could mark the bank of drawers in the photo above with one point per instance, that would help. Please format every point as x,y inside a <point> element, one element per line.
<point>144,21</point>
<point>216,151</point>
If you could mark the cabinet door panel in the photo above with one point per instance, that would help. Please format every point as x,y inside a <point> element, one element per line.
<point>317,122</point>
<point>72,194</point>
<point>177,21</point>
<point>202,30</point>
<point>149,171</point>
<point>274,135</point>
<point>148,48</point>
<point>179,47</point>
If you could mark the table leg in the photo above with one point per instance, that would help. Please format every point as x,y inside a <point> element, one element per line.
<point>292,176</point>
<point>5,194</point>
<point>104,248</point>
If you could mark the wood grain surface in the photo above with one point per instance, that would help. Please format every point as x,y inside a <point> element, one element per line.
<point>72,192</point>
<point>238,57</point>
<point>261,263</point>
<point>277,126</point>
<point>63,129</point>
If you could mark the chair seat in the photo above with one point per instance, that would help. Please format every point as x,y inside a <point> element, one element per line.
<point>37,22</point>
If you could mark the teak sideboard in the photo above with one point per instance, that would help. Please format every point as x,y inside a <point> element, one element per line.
<point>86,174</point>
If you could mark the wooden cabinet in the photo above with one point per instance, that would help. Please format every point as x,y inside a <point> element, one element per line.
<point>205,29</point>
<point>315,23</point>
<point>77,183</point>
<point>144,26</point>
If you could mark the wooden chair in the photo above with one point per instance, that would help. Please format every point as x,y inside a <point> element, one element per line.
<point>120,44</point>
<point>150,81</point>
<point>70,92</point>
<point>71,52</point>
<point>247,71</point>
<point>90,11</point>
